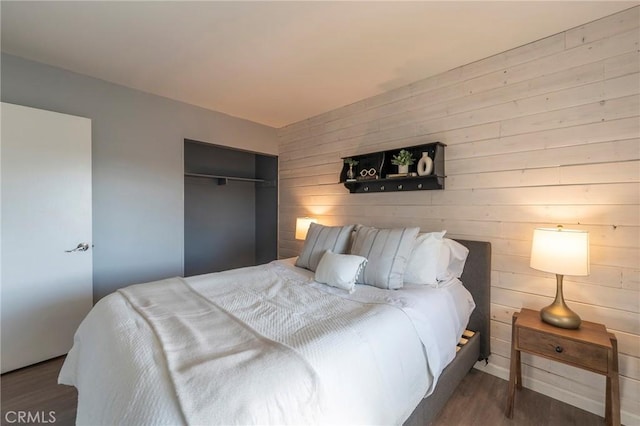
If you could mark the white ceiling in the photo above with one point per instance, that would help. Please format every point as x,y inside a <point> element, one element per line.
<point>278,62</point>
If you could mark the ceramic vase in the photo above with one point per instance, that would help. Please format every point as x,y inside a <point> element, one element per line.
<point>425,165</point>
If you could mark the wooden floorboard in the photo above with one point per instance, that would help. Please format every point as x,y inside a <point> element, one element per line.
<point>478,401</point>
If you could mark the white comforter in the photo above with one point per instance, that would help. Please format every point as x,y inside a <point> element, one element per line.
<point>262,345</point>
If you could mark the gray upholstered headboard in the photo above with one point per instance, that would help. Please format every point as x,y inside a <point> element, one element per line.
<point>477,279</point>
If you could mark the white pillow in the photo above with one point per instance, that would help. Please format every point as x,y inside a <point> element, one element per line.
<point>424,260</point>
<point>452,260</point>
<point>339,270</point>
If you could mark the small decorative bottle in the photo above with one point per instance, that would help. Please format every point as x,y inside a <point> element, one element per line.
<point>425,165</point>
<point>350,173</point>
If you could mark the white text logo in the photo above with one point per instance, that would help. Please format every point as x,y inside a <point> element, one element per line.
<point>30,416</point>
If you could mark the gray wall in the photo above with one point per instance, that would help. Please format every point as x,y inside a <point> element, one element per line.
<point>266,209</point>
<point>137,164</point>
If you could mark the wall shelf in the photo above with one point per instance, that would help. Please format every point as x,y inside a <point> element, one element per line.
<point>379,171</point>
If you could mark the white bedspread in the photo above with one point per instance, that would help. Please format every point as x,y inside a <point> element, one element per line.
<point>263,345</point>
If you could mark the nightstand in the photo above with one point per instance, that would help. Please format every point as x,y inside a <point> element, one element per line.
<point>590,347</point>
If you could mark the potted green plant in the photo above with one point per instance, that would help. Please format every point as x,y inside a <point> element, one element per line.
<point>351,162</point>
<point>403,160</point>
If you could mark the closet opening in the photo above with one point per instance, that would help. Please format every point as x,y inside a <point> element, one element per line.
<point>230,208</point>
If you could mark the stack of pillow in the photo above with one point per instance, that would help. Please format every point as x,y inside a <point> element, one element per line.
<point>343,256</point>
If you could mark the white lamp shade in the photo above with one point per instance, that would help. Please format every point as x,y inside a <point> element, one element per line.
<point>302,226</point>
<point>560,251</point>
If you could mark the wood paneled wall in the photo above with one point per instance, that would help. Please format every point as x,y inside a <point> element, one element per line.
<point>544,134</point>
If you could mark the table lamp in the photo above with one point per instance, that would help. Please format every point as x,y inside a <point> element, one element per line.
<point>562,252</point>
<point>302,226</point>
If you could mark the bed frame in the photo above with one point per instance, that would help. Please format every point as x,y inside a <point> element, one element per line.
<point>477,279</point>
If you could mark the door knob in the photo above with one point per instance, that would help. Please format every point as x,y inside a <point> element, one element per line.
<point>81,247</point>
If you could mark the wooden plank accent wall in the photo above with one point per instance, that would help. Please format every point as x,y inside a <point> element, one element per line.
<point>544,134</point>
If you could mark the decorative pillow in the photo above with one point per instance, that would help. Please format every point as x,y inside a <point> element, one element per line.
<point>422,267</point>
<point>387,252</point>
<point>452,260</point>
<point>339,270</point>
<point>320,239</point>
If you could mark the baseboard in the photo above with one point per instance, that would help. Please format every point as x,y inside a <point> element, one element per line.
<point>590,405</point>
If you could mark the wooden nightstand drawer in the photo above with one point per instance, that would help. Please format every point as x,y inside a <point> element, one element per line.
<point>565,350</point>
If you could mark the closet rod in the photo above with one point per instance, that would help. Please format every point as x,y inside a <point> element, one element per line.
<point>241,179</point>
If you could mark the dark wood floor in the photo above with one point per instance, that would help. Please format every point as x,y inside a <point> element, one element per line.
<point>36,389</point>
<point>479,400</point>
<point>470,407</point>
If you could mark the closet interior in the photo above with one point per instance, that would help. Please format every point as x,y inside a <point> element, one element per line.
<point>230,208</point>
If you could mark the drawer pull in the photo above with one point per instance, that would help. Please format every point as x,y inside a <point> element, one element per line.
<point>559,349</point>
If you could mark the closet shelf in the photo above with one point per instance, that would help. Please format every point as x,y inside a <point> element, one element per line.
<point>222,180</point>
<point>241,179</point>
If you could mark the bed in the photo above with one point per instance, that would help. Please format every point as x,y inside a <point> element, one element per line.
<point>271,344</point>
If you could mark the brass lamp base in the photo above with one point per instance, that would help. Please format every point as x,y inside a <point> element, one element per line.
<point>558,313</point>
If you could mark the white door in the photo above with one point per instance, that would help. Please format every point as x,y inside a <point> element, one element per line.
<point>46,211</point>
